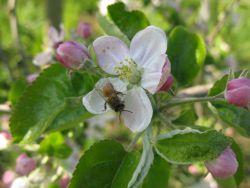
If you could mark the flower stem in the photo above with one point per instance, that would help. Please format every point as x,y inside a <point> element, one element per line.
<point>134,141</point>
<point>179,101</point>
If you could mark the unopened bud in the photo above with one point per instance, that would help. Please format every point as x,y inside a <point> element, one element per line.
<point>64,181</point>
<point>238,92</point>
<point>84,30</point>
<point>72,54</point>
<point>25,164</point>
<point>223,166</point>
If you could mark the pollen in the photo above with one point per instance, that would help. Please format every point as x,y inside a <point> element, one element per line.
<point>130,72</point>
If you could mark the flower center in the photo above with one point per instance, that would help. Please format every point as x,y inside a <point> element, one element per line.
<point>130,72</point>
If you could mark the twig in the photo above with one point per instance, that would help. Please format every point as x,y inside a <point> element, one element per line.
<point>221,23</point>
<point>15,32</point>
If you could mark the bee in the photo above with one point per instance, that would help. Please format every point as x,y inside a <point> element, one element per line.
<point>112,98</point>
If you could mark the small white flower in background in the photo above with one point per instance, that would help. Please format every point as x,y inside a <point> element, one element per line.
<point>137,112</point>
<point>54,37</point>
<point>21,182</point>
<point>5,140</point>
<point>142,64</point>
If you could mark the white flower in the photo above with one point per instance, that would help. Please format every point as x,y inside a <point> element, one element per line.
<point>142,64</point>
<point>137,112</point>
<point>54,37</point>
<point>21,182</point>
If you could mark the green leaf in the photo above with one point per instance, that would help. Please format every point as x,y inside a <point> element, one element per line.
<point>190,145</point>
<point>51,100</point>
<point>110,28</point>
<point>126,170</point>
<point>54,146</point>
<point>16,90</point>
<point>98,166</point>
<point>158,174</point>
<point>187,117</point>
<point>187,52</point>
<point>234,116</point>
<point>239,175</point>
<point>129,22</point>
<point>226,183</point>
<point>219,86</point>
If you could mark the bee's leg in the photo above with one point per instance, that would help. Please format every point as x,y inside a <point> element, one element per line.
<point>105,106</point>
<point>120,119</point>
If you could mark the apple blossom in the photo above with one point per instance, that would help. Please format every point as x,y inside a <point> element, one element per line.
<point>140,65</point>
<point>54,38</point>
<point>223,166</point>
<point>138,111</point>
<point>72,54</point>
<point>25,164</point>
<point>238,92</point>
<point>84,30</point>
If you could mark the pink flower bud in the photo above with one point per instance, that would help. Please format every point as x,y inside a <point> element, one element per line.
<point>25,164</point>
<point>8,177</point>
<point>238,92</point>
<point>64,181</point>
<point>72,54</point>
<point>84,30</point>
<point>5,139</point>
<point>223,166</point>
<point>166,78</point>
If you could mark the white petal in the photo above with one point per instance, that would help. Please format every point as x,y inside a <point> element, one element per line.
<point>110,52</point>
<point>118,85</point>
<point>148,43</point>
<point>43,58</point>
<point>94,102</point>
<point>140,106</point>
<point>152,74</point>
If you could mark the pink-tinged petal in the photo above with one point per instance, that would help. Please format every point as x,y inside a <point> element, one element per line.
<point>8,177</point>
<point>224,166</point>
<point>43,58</point>
<point>110,52</point>
<point>153,74</point>
<point>139,110</point>
<point>147,44</point>
<point>236,83</point>
<point>166,73</point>
<point>167,85</point>
<point>239,97</point>
<point>55,36</point>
